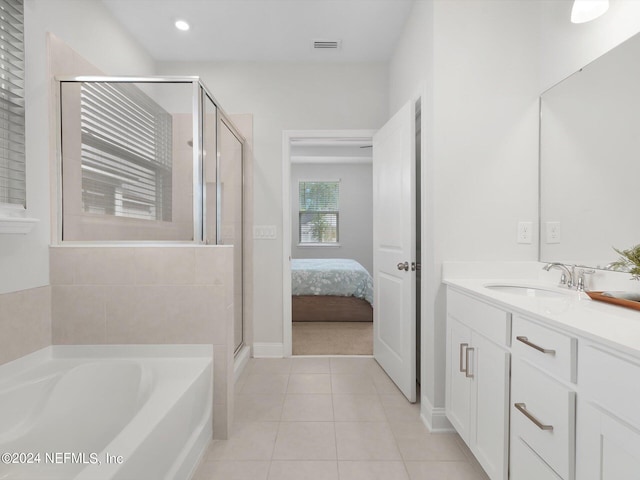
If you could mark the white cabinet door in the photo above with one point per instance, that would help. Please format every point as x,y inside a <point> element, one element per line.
<point>458,385</point>
<point>394,233</point>
<point>489,367</point>
<point>607,448</point>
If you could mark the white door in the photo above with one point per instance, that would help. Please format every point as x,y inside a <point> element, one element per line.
<point>394,278</point>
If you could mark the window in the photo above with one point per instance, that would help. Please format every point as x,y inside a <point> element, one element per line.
<point>126,153</point>
<point>318,212</point>
<point>12,159</point>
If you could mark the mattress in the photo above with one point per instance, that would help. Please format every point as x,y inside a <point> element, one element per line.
<point>331,276</point>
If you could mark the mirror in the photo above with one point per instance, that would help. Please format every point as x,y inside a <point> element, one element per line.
<point>589,161</point>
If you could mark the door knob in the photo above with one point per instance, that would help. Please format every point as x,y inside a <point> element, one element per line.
<point>403,266</point>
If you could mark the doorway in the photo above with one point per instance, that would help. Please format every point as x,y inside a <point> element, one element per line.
<point>327,244</point>
<point>397,239</point>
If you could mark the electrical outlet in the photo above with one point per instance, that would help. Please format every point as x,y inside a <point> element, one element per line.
<point>525,233</point>
<point>552,232</point>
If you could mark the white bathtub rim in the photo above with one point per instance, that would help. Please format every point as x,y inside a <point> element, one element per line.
<point>202,355</point>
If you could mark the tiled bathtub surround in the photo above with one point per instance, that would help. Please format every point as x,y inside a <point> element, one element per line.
<point>149,295</point>
<point>25,322</point>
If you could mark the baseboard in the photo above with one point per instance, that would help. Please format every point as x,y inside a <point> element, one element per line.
<point>268,350</point>
<point>434,418</point>
<point>241,360</point>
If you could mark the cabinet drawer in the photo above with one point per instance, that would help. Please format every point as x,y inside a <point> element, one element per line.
<point>611,382</point>
<point>546,401</point>
<point>545,348</point>
<point>490,321</point>
<point>527,465</point>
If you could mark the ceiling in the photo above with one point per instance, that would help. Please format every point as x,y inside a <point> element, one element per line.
<point>264,30</point>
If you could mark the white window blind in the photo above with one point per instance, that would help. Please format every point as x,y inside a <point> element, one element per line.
<point>12,158</point>
<point>318,212</point>
<point>126,152</point>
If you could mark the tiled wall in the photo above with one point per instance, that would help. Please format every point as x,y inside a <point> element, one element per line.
<point>25,322</point>
<point>149,294</point>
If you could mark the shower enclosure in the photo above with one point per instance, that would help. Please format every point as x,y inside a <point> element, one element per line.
<point>150,160</point>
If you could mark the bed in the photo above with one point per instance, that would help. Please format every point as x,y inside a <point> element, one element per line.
<point>331,290</point>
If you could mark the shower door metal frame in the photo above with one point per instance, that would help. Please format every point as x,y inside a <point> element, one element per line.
<point>200,91</point>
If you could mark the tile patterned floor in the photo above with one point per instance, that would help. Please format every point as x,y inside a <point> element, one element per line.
<point>332,418</point>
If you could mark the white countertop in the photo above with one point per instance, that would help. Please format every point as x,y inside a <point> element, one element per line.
<point>614,326</point>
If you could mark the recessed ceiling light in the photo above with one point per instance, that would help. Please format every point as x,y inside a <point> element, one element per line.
<point>182,25</point>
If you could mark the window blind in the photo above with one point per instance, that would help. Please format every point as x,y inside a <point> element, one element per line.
<point>318,212</point>
<point>126,152</point>
<point>12,138</point>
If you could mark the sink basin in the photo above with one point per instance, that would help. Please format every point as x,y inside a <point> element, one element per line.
<point>526,290</point>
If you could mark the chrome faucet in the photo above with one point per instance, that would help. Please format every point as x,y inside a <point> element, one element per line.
<point>568,276</point>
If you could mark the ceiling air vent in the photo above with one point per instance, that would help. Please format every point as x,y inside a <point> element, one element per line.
<point>326,44</point>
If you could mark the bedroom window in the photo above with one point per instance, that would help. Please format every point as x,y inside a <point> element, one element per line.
<point>318,212</point>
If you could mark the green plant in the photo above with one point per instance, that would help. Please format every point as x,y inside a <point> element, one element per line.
<point>629,261</point>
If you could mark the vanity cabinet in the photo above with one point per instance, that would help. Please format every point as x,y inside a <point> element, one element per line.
<point>608,425</point>
<point>543,401</point>
<point>534,397</point>
<point>477,380</point>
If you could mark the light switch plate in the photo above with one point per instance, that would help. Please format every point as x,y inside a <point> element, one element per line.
<point>264,232</point>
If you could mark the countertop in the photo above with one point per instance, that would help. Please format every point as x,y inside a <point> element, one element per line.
<point>574,312</point>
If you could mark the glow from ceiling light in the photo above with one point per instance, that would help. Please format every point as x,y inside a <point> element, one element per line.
<point>587,10</point>
<point>182,25</point>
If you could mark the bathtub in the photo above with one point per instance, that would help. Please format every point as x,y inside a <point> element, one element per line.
<point>106,412</point>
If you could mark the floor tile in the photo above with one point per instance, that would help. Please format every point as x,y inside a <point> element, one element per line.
<point>352,383</point>
<point>357,408</point>
<point>309,383</point>
<point>310,365</point>
<point>233,470</point>
<point>355,470</point>
<point>249,441</point>
<point>402,411</point>
<point>279,366</point>
<point>366,441</point>
<point>265,383</point>
<point>258,408</point>
<point>443,471</point>
<point>431,447</point>
<point>303,470</point>
<point>409,429</point>
<point>352,364</point>
<point>305,441</point>
<point>307,408</point>
<point>331,418</point>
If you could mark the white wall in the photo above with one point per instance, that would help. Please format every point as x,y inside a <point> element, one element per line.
<point>356,212</point>
<point>479,61</point>
<point>88,27</point>
<point>484,64</point>
<point>287,96</point>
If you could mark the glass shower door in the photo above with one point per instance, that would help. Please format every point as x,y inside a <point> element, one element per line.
<point>230,215</point>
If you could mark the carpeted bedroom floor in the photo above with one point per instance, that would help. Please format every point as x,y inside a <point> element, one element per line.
<point>333,338</point>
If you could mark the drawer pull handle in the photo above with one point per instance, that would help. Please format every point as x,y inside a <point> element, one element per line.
<point>523,409</point>
<point>526,341</point>
<point>466,372</point>
<point>462,347</point>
